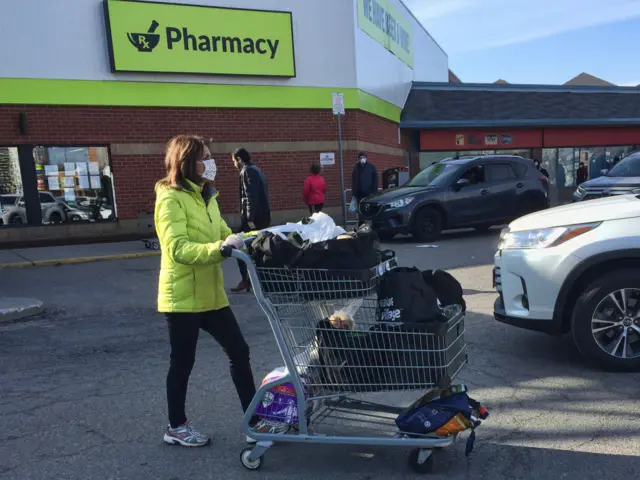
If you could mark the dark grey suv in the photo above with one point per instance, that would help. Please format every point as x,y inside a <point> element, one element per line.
<point>622,179</point>
<point>455,193</point>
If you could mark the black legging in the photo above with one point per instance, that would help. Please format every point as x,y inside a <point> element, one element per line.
<point>183,335</point>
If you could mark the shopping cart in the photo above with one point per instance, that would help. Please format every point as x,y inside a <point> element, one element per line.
<point>335,371</point>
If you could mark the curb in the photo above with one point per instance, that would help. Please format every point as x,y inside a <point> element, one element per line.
<point>18,312</point>
<point>74,261</point>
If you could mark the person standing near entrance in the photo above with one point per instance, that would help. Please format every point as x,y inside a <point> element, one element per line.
<point>364,181</point>
<point>314,190</point>
<point>191,292</point>
<point>255,212</point>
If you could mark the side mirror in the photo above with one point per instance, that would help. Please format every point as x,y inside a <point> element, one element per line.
<point>461,183</point>
<point>604,171</point>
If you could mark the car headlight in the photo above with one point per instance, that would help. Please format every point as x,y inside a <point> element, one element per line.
<point>403,202</point>
<point>542,238</point>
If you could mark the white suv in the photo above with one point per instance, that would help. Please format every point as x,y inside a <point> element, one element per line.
<point>576,268</point>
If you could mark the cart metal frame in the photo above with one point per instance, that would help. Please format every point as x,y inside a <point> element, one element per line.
<point>341,402</point>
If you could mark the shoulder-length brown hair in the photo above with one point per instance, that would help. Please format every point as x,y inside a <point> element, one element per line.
<point>181,158</point>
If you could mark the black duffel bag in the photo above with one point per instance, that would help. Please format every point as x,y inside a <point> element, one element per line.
<point>337,268</point>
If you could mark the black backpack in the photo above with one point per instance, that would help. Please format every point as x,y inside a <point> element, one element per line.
<point>447,288</point>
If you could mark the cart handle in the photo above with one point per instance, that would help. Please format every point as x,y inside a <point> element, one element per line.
<point>229,252</point>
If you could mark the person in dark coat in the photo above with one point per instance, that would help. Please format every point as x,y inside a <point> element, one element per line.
<point>581,174</point>
<point>364,181</point>
<point>255,212</point>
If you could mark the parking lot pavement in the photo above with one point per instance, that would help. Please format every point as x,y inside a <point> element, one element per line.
<point>82,388</point>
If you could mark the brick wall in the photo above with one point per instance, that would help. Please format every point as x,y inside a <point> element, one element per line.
<point>135,176</point>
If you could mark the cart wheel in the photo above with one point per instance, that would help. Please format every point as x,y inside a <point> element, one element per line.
<point>156,246</point>
<point>250,464</point>
<point>421,460</point>
<point>147,243</point>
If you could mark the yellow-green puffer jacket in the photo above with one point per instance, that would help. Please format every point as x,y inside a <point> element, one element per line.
<point>191,234</point>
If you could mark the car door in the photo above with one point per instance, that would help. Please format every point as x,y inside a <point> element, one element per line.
<point>502,187</point>
<point>468,205</point>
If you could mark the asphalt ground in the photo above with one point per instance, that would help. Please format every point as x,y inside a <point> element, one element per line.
<point>82,388</point>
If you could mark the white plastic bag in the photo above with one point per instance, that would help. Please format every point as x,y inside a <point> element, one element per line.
<point>321,228</point>
<point>353,206</point>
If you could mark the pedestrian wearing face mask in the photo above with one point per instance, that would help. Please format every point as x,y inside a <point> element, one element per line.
<point>255,212</point>
<point>191,287</point>
<point>364,181</point>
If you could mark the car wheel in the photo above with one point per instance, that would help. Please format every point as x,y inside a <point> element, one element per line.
<point>427,226</point>
<point>16,220</point>
<point>55,218</point>
<point>606,321</point>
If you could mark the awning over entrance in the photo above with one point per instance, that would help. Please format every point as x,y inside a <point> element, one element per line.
<point>444,105</point>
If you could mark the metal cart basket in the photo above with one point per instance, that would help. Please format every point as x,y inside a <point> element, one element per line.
<point>337,373</point>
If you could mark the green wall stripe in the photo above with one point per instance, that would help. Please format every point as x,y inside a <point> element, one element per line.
<point>161,94</point>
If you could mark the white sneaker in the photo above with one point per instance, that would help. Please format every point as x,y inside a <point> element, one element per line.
<point>185,435</point>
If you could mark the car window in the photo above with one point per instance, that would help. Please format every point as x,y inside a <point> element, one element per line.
<point>520,168</point>
<point>628,167</point>
<point>501,172</point>
<point>8,199</point>
<point>475,175</point>
<point>46,198</point>
<point>437,174</point>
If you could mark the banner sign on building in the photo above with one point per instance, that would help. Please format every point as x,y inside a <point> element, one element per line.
<point>172,38</point>
<point>386,25</point>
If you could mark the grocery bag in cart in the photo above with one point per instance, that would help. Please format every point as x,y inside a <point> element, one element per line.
<point>339,267</point>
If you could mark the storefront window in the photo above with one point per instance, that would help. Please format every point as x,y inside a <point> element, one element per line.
<point>12,209</point>
<point>615,154</point>
<point>521,152</point>
<point>549,159</point>
<point>565,174</point>
<point>74,184</point>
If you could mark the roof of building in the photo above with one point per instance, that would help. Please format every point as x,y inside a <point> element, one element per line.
<point>447,105</point>
<point>453,78</point>
<point>587,79</point>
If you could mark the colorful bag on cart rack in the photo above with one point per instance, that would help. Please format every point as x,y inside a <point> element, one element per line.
<point>280,404</point>
<point>448,414</point>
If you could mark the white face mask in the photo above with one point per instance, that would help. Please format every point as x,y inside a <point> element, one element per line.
<point>210,170</point>
<point>363,161</point>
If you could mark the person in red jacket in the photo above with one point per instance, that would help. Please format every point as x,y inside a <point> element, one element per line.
<point>314,189</point>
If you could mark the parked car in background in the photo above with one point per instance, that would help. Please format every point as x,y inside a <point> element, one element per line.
<point>473,192</point>
<point>576,268</point>
<point>15,213</point>
<point>622,179</point>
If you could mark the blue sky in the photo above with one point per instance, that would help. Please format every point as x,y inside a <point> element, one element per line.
<point>536,41</point>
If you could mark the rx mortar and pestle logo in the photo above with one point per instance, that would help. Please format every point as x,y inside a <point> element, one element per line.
<point>145,42</point>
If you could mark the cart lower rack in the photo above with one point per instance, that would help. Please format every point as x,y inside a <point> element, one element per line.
<point>341,376</point>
